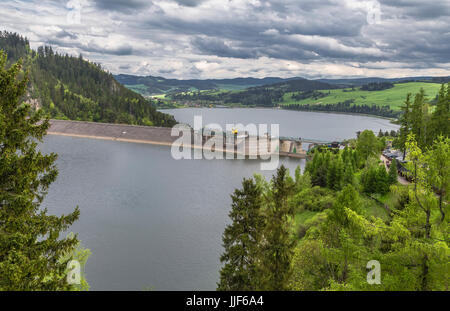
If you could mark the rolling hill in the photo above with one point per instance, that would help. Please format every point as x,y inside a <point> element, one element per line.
<point>394,97</point>
<point>151,85</point>
<point>375,98</point>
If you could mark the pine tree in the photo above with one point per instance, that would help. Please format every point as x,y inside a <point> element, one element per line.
<point>335,173</point>
<point>393,172</point>
<point>405,124</point>
<point>278,247</point>
<point>31,250</point>
<point>382,180</point>
<point>241,240</point>
<point>440,120</point>
<point>417,118</point>
<point>367,146</point>
<point>349,174</point>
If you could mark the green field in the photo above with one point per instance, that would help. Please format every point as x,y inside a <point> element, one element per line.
<point>393,97</point>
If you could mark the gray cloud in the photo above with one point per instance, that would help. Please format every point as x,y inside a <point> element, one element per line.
<point>122,5</point>
<point>215,46</point>
<point>226,37</point>
<point>190,3</point>
<point>92,47</point>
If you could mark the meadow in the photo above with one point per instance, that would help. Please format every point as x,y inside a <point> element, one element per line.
<point>394,97</point>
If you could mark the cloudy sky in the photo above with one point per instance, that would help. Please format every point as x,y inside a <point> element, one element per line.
<point>234,38</point>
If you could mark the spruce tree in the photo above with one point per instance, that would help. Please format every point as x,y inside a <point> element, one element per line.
<point>278,247</point>
<point>405,124</point>
<point>241,240</point>
<point>349,174</point>
<point>31,250</point>
<point>440,119</point>
<point>417,118</point>
<point>393,172</point>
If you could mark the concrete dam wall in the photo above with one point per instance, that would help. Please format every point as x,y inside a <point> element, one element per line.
<point>162,136</point>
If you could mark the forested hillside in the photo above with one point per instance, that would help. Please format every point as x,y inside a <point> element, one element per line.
<point>267,95</point>
<point>73,88</point>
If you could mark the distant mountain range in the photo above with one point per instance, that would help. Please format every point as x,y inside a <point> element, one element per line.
<point>151,85</point>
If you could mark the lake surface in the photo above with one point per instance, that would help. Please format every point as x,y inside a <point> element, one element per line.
<point>154,222</point>
<point>312,125</point>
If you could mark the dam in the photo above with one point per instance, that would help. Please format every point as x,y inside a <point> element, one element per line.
<point>242,142</point>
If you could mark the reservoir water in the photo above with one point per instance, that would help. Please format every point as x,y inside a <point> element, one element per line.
<point>152,222</point>
<point>312,125</point>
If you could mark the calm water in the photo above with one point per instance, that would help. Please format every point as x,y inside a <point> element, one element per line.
<point>312,125</point>
<point>151,221</point>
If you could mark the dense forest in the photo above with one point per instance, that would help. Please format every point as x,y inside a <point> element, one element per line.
<point>308,94</point>
<point>377,86</point>
<point>68,87</point>
<point>347,107</point>
<point>257,96</point>
<point>329,227</point>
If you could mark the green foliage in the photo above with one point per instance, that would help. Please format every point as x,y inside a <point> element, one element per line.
<point>31,250</point>
<point>338,232</point>
<point>347,106</point>
<point>241,240</point>
<point>258,244</point>
<point>392,178</point>
<point>374,178</point>
<point>332,170</point>
<point>276,251</point>
<point>440,120</point>
<point>313,199</point>
<point>416,119</point>
<point>437,161</point>
<point>367,146</point>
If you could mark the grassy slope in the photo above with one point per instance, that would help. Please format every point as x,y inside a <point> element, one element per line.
<point>393,97</point>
